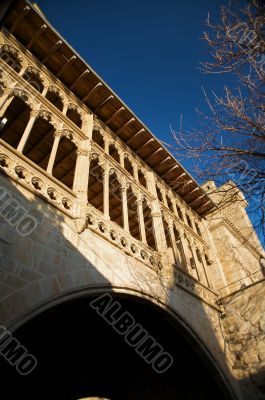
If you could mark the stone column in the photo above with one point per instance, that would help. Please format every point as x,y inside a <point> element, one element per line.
<point>5,101</point>
<point>106,146</point>
<point>158,226</point>
<point>173,241</point>
<point>57,137</point>
<point>184,244</point>
<point>65,108</point>
<point>121,154</point>
<point>45,91</point>
<point>24,68</point>
<point>141,219</point>
<point>81,176</point>
<point>106,191</point>
<point>24,138</point>
<point>87,125</point>
<point>135,172</point>
<point>125,208</point>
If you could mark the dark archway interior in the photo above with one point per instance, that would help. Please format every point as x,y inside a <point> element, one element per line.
<point>80,355</point>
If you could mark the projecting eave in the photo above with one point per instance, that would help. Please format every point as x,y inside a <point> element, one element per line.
<point>33,30</point>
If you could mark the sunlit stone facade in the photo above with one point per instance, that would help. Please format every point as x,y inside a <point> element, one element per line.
<point>136,221</point>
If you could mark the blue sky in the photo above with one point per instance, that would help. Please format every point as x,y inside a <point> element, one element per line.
<point>147,51</point>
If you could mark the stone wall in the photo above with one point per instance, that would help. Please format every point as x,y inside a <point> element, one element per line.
<point>244,328</point>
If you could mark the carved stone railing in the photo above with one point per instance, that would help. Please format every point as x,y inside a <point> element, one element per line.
<point>121,239</point>
<point>196,288</point>
<point>20,169</point>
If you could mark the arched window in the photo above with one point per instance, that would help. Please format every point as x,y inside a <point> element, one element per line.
<point>10,57</point>
<point>167,233</point>
<point>33,79</point>
<point>128,166</point>
<point>149,228</point>
<point>113,152</point>
<point>189,220</point>
<point>181,260</point>
<point>74,116</point>
<point>180,215</point>
<point>14,121</point>
<point>55,99</point>
<point>95,185</point>
<point>98,138</point>
<point>141,178</point>
<point>169,203</point>
<point>115,199</point>
<point>65,162</point>
<point>159,194</point>
<point>39,144</point>
<point>133,214</point>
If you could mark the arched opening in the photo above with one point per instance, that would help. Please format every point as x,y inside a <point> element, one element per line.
<point>128,166</point>
<point>189,220</point>
<point>95,185</point>
<point>11,59</point>
<point>55,99</point>
<point>180,256</point>
<point>14,121</point>
<point>169,203</point>
<point>133,214</point>
<point>65,162</point>
<point>74,116</point>
<point>142,179</point>
<point>82,356</point>
<point>149,227</point>
<point>180,215</point>
<point>167,234</point>
<point>97,137</point>
<point>115,199</point>
<point>159,194</point>
<point>113,152</point>
<point>39,144</point>
<point>34,80</point>
<point>198,229</point>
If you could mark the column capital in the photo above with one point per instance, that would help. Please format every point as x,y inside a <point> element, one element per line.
<point>156,214</point>
<point>82,152</point>
<point>34,113</point>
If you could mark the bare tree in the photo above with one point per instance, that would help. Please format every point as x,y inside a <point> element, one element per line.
<point>229,142</point>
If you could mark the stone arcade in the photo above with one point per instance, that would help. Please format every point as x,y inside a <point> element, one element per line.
<point>114,213</point>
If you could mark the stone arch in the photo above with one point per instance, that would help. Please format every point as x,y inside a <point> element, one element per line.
<point>47,116</point>
<point>115,197</point>
<point>95,187</point>
<point>159,193</point>
<point>24,95</point>
<point>11,55</point>
<point>65,160</point>
<point>128,164</point>
<point>114,151</point>
<point>74,114</point>
<point>170,200</point>
<point>34,77</point>
<point>142,178</point>
<point>126,294</point>
<point>15,115</point>
<point>98,137</point>
<point>55,97</point>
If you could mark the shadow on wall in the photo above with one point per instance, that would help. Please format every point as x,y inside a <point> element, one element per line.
<point>48,282</point>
